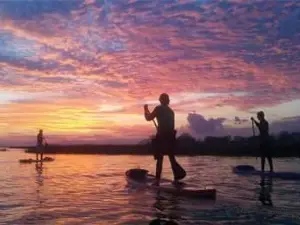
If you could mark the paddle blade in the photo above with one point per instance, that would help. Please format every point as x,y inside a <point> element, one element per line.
<point>179,171</point>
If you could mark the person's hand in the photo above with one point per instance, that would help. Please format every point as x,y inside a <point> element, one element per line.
<point>146,107</point>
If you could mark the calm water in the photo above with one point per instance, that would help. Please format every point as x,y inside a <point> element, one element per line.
<point>91,189</point>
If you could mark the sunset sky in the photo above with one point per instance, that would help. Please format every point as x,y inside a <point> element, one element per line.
<point>82,70</point>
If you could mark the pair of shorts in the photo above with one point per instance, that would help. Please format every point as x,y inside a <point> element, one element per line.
<point>163,144</point>
<point>40,149</point>
<point>265,149</point>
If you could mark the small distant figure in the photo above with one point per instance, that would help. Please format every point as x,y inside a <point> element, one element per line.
<point>41,143</point>
<point>265,148</point>
<point>165,138</point>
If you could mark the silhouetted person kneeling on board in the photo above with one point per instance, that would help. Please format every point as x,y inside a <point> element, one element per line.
<point>40,145</point>
<point>164,141</point>
<point>265,148</point>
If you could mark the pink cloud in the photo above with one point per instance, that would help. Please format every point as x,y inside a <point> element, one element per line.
<point>122,54</point>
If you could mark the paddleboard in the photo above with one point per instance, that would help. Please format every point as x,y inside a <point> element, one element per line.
<point>146,180</point>
<point>46,159</point>
<point>250,170</point>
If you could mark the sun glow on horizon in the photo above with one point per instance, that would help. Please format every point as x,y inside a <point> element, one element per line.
<point>84,69</point>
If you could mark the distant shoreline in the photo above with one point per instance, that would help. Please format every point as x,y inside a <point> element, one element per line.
<point>284,145</point>
<point>229,150</point>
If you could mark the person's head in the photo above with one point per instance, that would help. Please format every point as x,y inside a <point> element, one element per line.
<point>41,131</point>
<point>164,99</point>
<point>260,115</point>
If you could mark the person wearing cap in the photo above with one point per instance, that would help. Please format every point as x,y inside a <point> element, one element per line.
<point>165,138</point>
<point>265,148</point>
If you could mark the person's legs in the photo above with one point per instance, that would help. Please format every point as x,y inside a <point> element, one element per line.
<point>173,164</point>
<point>262,163</point>
<point>159,158</point>
<point>170,147</point>
<point>270,163</point>
<point>42,152</point>
<point>176,170</point>
<point>263,155</point>
<point>269,156</point>
<point>159,164</point>
<point>37,152</point>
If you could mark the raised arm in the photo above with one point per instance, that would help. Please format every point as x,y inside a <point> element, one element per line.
<point>149,115</point>
<point>256,123</point>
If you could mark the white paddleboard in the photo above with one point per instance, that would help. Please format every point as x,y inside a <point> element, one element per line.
<point>250,170</point>
<point>46,159</point>
<point>168,187</point>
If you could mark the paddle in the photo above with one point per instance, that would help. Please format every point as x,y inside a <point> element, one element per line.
<point>253,130</point>
<point>155,124</point>
<point>45,142</point>
<point>46,145</point>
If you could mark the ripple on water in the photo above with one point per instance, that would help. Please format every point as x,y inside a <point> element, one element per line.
<point>91,189</point>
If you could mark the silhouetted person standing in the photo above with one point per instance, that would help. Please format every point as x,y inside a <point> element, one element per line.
<point>165,138</point>
<point>265,148</point>
<point>40,145</point>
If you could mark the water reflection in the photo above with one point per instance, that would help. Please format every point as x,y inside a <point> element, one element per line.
<point>39,173</point>
<point>265,195</point>
<point>89,189</point>
<point>39,181</point>
<point>167,209</point>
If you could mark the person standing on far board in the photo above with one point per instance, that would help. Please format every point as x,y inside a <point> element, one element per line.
<point>265,148</point>
<point>165,138</point>
<point>40,145</point>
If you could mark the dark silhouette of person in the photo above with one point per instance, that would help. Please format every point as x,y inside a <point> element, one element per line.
<point>165,139</point>
<point>40,145</point>
<point>265,148</point>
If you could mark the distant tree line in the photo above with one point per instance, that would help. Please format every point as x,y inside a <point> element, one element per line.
<point>284,145</point>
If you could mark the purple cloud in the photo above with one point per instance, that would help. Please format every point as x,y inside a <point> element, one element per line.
<point>291,124</point>
<point>202,126</point>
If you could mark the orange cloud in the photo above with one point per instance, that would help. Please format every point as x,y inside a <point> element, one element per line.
<point>103,61</point>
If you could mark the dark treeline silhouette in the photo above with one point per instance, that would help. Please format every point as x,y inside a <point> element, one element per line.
<point>283,145</point>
